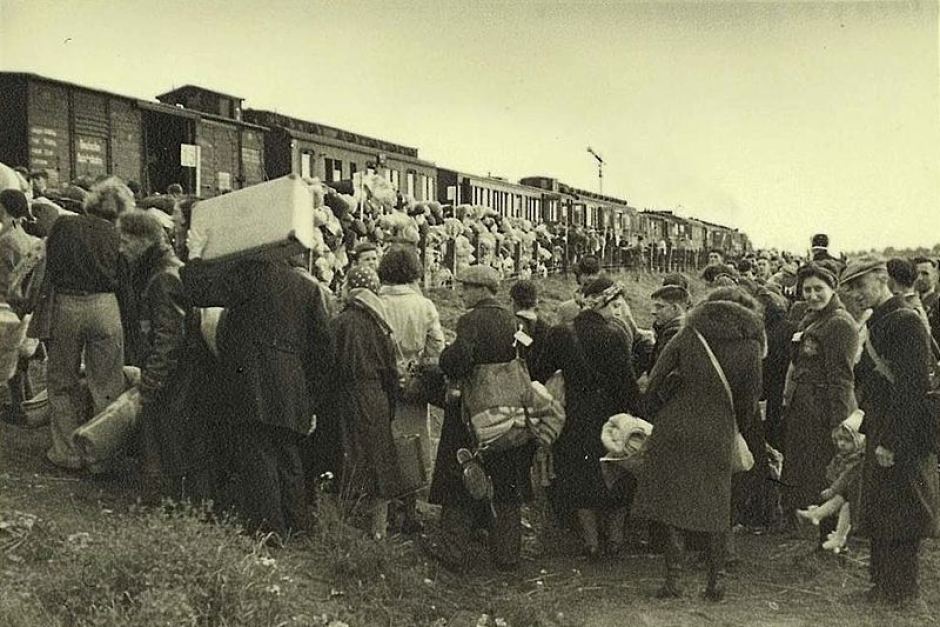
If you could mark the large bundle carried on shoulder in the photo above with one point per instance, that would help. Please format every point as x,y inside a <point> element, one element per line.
<point>505,408</point>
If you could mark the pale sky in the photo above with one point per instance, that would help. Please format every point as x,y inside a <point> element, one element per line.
<point>783,119</point>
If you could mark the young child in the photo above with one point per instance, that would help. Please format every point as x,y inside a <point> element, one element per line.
<point>843,473</point>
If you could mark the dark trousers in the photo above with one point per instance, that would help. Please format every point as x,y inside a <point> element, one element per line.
<point>457,523</point>
<point>272,496</point>
<point>893,567</point>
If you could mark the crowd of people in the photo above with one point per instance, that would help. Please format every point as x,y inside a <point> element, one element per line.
<point>257,379</point>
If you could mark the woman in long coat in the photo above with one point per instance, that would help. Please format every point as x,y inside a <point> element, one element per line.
<point>363,400</point>
<point>820,390</point>
<point>595,359</point>
<point>686,482</point>
<point>419,340</point>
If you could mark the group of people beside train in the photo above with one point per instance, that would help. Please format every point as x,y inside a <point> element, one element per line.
<point>255,380</point>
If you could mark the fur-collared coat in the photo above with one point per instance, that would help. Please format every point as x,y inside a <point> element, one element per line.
<point>822,397</point>
<point>686,482</point>
<point>900,501</point>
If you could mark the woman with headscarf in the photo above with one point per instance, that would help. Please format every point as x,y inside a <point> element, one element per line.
<point>686,481</point>
<point>820,389</point>
<point>363,403</point>
<point>595,359</point>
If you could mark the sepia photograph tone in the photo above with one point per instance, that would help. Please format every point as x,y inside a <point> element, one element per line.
<point>510,313</point>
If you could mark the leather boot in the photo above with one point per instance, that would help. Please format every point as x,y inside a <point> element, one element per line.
<point>672,556</point>
<point>714,591</point>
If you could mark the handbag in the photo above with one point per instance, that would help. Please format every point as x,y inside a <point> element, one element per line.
<point>419,383</point>
<point>741,458</point>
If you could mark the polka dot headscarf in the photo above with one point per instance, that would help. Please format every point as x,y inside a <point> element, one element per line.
<point>363,277</point>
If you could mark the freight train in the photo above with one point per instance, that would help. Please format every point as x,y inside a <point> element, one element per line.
<point>208,143</point>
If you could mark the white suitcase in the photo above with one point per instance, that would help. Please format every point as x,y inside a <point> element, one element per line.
<point>268,215</point>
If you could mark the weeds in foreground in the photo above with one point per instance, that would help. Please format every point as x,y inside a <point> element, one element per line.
<point>164,566</point>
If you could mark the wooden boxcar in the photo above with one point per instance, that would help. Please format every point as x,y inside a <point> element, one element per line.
<point>67,130</point>
<point>72,132</point>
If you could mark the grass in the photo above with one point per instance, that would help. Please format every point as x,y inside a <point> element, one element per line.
<point>82,552</point>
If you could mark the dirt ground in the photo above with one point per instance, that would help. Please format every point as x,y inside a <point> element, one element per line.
<point>778,580</point>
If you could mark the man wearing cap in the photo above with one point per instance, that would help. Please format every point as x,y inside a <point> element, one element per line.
<point>927,279</point>
<point>588,269</point>
<point>39,180</point>
<point>670,303</point>
<point>484,336</point>
<point>819,247</point>
<point>899,482</point>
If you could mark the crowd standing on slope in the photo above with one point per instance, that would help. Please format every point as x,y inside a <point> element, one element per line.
<point>253,380</point>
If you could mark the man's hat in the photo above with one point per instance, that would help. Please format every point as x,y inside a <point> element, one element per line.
<point>861,266</point>
<point>820,240</point>
<point>481,276</point>
<point>671,294</point>
<point>675,278</point>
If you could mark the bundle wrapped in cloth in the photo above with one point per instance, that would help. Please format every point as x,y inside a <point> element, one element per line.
<point>102,437</point>
<point>506,423</point>
<point>624,437</point>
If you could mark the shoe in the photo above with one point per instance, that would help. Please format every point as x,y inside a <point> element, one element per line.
<point>67,463</point>
<point>834,543</point>
<point>714,593</point>
<point>873,596</point>
<point>410,526</point>
<point>807,514</point>
<point>669,590</point>
<point>448,558</point>
<point>593,553</point>
<point>506,567</point>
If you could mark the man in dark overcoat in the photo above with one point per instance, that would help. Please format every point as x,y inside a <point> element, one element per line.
<point>484,335</point>
<point>899,501</point>
<point>276,354</point>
